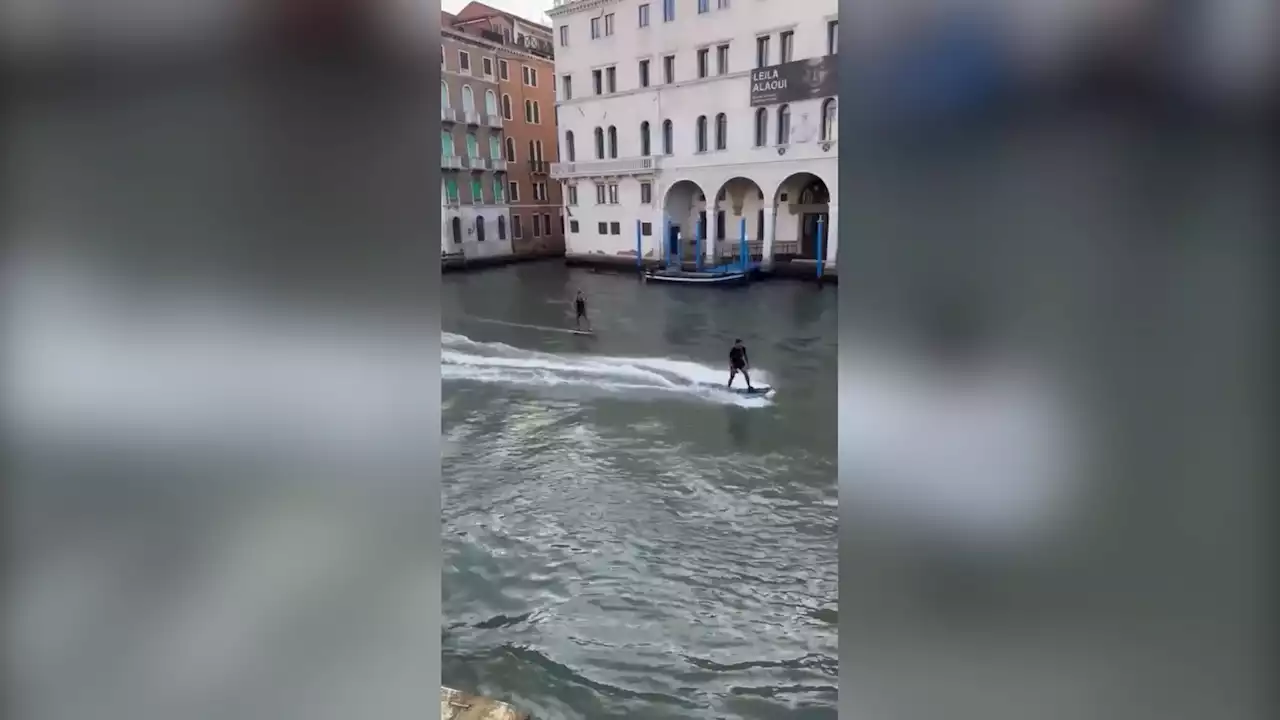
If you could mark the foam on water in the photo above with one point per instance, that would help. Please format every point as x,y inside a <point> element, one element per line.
<point>464,359</point>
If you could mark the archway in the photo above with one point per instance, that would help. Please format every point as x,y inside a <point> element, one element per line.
<point>802,204</point>
<point>739,206</point>
<point>684,207</point>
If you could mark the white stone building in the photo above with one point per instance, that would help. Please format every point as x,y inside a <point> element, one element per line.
<point>659,136</point>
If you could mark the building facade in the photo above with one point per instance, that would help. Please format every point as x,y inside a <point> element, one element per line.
<point>687,118</point>
<point>474,189</point>
<point>524,55</point>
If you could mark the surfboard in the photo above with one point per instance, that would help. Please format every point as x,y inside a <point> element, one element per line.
<point>582,332</point>
<point>757,390</point>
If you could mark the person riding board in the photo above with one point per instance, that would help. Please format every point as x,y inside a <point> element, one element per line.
<point>738,363</point>
<point>580,305</point>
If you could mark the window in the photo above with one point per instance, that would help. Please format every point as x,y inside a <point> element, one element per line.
<point>613,193</point>
<point>646,229</point>
<point>786,46</point>
<point>599,143</point>
<point>615,228</point>
<point>446,142</point>
<point>668,10</point>
<point>513,189</point>
<point>468,99</point>
<point>572,192</point>
<point>722,4</point>
<point>597,82</point>
<point>537,113</point>
<point>668,137</point>
<point>504,73</point>
<point>603,228</point>
<point>784,124</point>
<point>722,131</point>
<point>762,127</point>
<point>644,138</point>
<point>456,225</point>
<point>762,51</point>
<point>722,59</point>
<point>611,79</point>
<point>480,228</point>
<point>511,149</point>
<point>537,231</point>
<point>568,146</point>
<point>506,107</point>
<point>701,141</point>
<point>464,61</point>
<point>704,60</point>
<point>538,152</point>
<point>833,37</point>
<point>595,28</point>
<point>644,15</point>
<point>486,67</point>
<point>564,36</point>
<point>613,141</point>
<point>451,190</point>
<point>540,192</point>
<point>516,230</point>
<point>644,73</point>
<point>498,194</point>
<point>573,226</point>
<point>566,82</point>
<point>830,124</point>
<point>495,147</point>
<point>669,69</point>
<point>528,111</point>
<point>546,223</point>
<point>444,95</point>
<point>490,103</point>
<point>533,156</point>
<point>608,24</point>
<point>502,227</point>
<point>530,75</point>
<point>599,194</point>
<point>473,146</point>
<point>704,6</point>
<point>646,193</point>
<point>477,192</point>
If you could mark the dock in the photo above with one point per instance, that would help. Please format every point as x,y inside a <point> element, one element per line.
<point>457,705</point>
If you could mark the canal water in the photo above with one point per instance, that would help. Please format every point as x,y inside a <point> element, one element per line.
<point>623,537</point>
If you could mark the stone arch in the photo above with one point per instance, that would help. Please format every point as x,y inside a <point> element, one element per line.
<point>683,207</point>
<point>739,200</point>
<point>802,203</point>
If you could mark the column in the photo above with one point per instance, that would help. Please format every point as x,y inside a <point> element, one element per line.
<point>658,239</point>
<point>767,253</point>
<point>833,234</point>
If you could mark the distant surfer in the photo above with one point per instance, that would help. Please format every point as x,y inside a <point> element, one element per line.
<point>580,305</point>
<point>738,363</point>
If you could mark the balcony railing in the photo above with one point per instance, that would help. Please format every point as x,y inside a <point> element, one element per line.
<point>448,114</point>
<point>477,163</point>
<point>623,166</point>
<point>498,164</point>
<point>450,162</point>
<point>473,117</point>
<point>539,167</point>
<point>493,121</point>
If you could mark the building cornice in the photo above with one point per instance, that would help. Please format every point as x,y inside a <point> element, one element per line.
<point>496,47</point>
<point>577,6</point>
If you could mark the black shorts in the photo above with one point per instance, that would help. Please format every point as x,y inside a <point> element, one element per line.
<point>582,312</point>
<point>738,367</point>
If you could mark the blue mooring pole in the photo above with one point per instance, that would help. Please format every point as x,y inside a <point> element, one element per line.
<point>666,241</point>
<point>697,245</point>
<point>742,243</point>
<point>821,255</point>
<point>639,251</point>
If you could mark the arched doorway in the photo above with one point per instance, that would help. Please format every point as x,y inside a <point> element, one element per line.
<point>684,208</point>
<point>802,206</point>
<point>738,209</point>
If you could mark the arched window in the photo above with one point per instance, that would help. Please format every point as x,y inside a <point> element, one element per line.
<point>537,113</point>
<point>490,103</point>
<point>568,146</point>
<point>444,94</point>
<point>762,127</point>
<point>511,150</point>
<point>668,138</point>
<point>446,142</point>
<point>701,135</point>
<point>473,146</point>
<point>480,228</point>
<point>457,229</point>
<point>784,124</point>
<point>538,150</point>
<point>644,138</point>
<point>495,147</point>
<point>830,123</point>
<point>468,99</point>
<point>506,107</point>
<point>532,155</point>
<point>599,143</point>
<point>722,131</point>
<point>502,227</point>
<point>613,141</point>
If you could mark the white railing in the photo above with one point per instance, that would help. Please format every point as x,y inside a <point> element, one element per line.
<point>493,120</point>
<point>477,163</point>
<point>473,117</point>
<point>498,164</point>
<point>450,162</point>
<point>448,114</point>
<point>622,166</point>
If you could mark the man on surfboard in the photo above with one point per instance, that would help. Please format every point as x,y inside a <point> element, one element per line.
<point>580,305</point>
<point>738,363</point>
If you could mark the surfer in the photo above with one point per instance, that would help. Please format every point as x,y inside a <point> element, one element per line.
<point>738,363</point>
<point>580,305</point>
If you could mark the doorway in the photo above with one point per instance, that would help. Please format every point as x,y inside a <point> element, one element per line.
<point>809,234</point>
<point>673,242</point>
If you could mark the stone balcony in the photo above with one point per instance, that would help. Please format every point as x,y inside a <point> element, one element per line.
<point>646,165</point>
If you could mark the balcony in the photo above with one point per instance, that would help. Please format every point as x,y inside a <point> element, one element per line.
<point>477,164</point>
<point>450,162</point>
<point>600,168</point>
<point>472,117</point>
<point>498,165</point>
<point>539,167</point>
<point>448,115</point>
<point>494,121</point>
